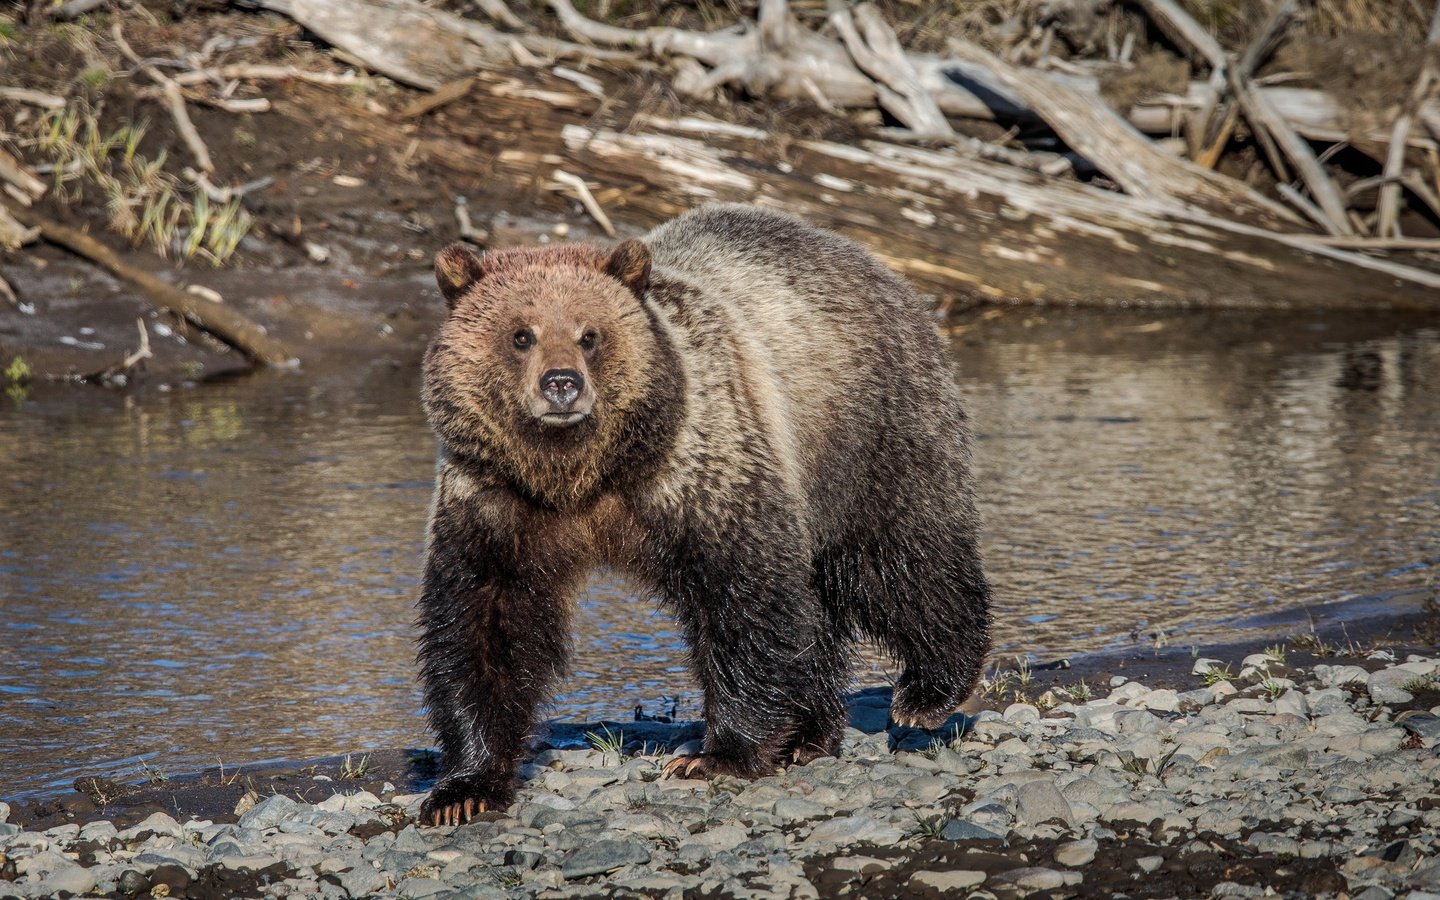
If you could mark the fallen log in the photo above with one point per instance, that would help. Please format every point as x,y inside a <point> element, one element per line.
<point>225,323</point>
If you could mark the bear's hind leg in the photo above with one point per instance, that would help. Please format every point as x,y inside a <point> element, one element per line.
<point>929,605</point>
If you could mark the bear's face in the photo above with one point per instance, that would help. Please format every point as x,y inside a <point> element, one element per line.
<point>542,354</point>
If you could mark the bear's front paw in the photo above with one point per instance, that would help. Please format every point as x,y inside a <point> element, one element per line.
<point>710,765</point>
<point>457,800</point>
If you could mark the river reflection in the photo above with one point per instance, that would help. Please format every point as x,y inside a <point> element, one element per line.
<point>226,573</point>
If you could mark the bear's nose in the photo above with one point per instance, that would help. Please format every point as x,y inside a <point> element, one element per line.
<point>561,387</point>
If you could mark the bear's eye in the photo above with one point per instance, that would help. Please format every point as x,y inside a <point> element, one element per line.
<point>524,338</point>
<point>587,341</point>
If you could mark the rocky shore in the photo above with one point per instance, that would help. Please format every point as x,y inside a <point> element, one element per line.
<point>1263,779</point>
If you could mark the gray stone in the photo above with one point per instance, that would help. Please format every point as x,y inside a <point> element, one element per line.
<point>1148,864</point>
<point>131,882</point>
<point>1269,844</point>
<point>1031,879</point>
<point>74,880</point>
<point>1077,853</point>
<point>960,830</point>
<point>722,837</point>
<point>1189,701</point>
<point>541,817</point>
<point>1382,740</point>
<point>410,840</point>
<point>604,856</point>
<point>1136,721</point>
<point>156,823</point>
<point>1022,714</point>
<point>796,809</point>
<point>269,812</point>
<point>1386,686</point>
<point>1041,801</point>
<point>523,859</point>
<point>361,880</point>
<point>956,880</point>
<point>927,789</point>
<point>1294,703</point>
<point>1161,700</point>
<point>4,812</point>
<point>1281,756</point>
<point>1423,724</point>
<point>1328,702</point>
<point>853,830</point>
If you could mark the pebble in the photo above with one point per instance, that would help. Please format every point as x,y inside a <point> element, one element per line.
<point>1313,768</point>
<point>957,880</point>
<point>1040,801</point>
<point>1077,853</point>
<point>604,856</point>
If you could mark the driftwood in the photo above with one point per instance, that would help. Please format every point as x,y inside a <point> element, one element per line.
<point>226,324</point>
<point>1264,118</point>
<point>1100,135</point>
<point>965,226</point>
<point>415,44</point>
<point>955,226</point>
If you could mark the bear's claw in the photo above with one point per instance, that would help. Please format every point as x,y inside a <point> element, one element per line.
<point>705,765</point>
<point>457,813</point>
<point>456,803</point>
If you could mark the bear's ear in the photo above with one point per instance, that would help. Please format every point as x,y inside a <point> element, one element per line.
<point>456,269</point>
<point>629,263</point>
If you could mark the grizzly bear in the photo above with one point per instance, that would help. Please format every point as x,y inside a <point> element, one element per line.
<point>752,418</point>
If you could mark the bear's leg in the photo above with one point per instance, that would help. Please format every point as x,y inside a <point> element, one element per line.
<point>820,723</point>
<point>758,647</point>
<point>493,639</point>
<point>926,600</point>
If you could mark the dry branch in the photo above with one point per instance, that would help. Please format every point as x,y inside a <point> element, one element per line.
<point>13,233</point>
<point>1263,116</point>
<point>109,374</point>
<point>1211,141</point>
<point>877,52</point>
<point>225,323</point>
<point>264,73</point>
<point>14,172</point>
<point>1388,208</point>
<point>174,98</point>
<point>581,190</point>
<point>34,98</point>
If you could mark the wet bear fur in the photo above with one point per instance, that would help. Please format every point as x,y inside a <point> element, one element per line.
<point>773,445</point>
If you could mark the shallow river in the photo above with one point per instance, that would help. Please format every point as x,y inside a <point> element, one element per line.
<point>226,573</point>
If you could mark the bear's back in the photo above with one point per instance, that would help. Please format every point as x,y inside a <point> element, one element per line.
<point>835,351</point>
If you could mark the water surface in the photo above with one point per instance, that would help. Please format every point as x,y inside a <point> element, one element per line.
<point>226,573</point>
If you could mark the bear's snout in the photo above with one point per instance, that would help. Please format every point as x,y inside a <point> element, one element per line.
<point>565,398</point>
